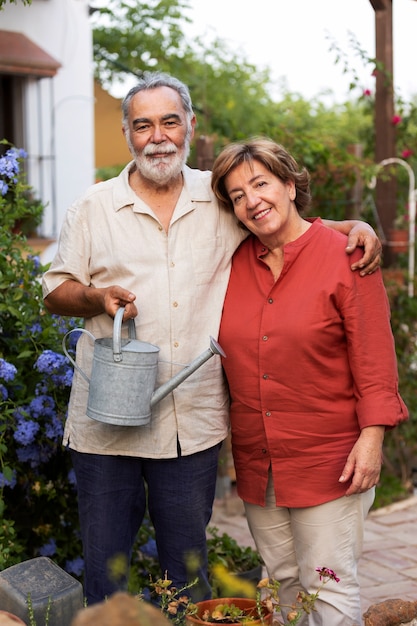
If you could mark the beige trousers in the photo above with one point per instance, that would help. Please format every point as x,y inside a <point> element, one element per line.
<point>294,542</point>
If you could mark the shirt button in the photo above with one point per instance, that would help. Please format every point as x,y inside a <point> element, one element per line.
<point>176,344</point>
<point>160,227</point>
<point>263,451</point>
<point>172,264</point>
<point>265,376</point>
<point>270,300</point>
<point>268,413</point>
<point>175,304</point>
<point>265,338</point>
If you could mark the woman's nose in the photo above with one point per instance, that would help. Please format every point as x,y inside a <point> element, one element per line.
<point>252,200</point>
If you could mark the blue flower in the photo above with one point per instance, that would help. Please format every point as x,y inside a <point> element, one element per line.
<point>42,406</point>
<point>35,329</point>
<point>49,548</point>
<point>9,166</point>
<point>149,548</point>
<point>4,394</point>
<point>33,454</point>
<point>75,566</point>
<point>26,432</point>
<point>7,370</point>
<point>8,482</point>
<point>71,477</point>
<point>35,260</point>
<point>4,187</point>
<point>56,366</point>
<point>54,429</point>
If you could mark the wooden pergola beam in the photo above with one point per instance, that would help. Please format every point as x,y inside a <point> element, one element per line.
<point>379,5</point>
<point>385,144</point>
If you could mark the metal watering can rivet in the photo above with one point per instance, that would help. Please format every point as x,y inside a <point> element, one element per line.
<point>123,376</point>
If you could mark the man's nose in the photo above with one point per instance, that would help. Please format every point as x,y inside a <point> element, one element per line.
<point>158,134</point>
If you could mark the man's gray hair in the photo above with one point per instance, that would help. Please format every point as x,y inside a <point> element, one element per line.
<point>152,80</point>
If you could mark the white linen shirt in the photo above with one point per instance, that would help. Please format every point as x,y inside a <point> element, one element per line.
<point>111,237</point>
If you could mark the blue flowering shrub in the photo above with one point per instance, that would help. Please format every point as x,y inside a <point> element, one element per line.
<point>38,506</point>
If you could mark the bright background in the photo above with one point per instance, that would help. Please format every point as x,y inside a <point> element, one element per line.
<point>290,37</point>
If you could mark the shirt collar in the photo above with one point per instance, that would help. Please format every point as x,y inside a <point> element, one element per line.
<point>196,183</point>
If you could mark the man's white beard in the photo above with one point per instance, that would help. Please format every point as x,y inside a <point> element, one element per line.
<point>161,171</point>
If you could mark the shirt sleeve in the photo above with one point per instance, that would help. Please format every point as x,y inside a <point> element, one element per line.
<point>371,352</point>
<point>71,261</point>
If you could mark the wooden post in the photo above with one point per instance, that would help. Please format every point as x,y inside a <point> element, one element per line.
<point>353,210</point>
<point>205,153</point>
<point>386,191</point>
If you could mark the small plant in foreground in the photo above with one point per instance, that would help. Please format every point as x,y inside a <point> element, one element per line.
<point>176,604</point>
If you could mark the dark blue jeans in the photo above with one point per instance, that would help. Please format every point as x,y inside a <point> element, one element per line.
<point>112,504</point>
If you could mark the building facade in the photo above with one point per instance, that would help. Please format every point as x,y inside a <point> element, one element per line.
<point>47,99</point>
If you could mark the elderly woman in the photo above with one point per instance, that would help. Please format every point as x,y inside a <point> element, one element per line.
<point>313,380</point>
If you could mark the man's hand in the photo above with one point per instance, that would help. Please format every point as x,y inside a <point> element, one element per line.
<point>116,297</point>
<point>363,235</point>
<point>360,234</point>
<point>73,298</point>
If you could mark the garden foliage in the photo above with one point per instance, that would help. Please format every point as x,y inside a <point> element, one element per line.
<point>38,512</point>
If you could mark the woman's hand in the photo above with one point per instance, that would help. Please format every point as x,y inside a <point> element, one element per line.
<point>364,462</point>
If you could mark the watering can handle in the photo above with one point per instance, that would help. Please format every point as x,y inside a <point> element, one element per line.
<point>117,333</point>
<point>67,354</point>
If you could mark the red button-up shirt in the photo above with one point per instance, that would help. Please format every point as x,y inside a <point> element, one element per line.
<point>310,362</point>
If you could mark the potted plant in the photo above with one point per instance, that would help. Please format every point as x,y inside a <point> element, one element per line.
<point>176,604</point>
<point>232,611</point>
<point>257,609</point>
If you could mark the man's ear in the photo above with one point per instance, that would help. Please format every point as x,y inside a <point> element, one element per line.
<point>193,125</point>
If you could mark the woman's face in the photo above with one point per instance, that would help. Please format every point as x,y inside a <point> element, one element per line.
<point>261,201</point>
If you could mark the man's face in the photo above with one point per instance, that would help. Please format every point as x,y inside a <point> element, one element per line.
<point>159,134</point>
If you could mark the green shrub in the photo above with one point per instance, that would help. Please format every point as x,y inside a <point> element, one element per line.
<point>38,509</point>
<point>400,446</point>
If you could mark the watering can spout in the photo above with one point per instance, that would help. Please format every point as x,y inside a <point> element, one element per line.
<point>176,380</point>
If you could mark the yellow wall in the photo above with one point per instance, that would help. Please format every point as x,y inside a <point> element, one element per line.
<point>110,145</point>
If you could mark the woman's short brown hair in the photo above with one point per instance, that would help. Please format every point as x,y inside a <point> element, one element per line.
<point>273,156</point>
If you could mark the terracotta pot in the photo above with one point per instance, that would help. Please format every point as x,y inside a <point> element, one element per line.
<point>8,619</point>
<point>398,240</point>
<point>248,604</point>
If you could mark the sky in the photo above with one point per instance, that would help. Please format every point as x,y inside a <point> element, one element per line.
<point>293,38</point>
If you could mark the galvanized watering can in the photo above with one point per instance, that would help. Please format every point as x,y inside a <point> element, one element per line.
<point>123,376</point>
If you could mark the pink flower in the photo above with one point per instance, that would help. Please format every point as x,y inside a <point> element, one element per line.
<point>396,119</point>
<point>367,92</point>
<point>325,572</point>
<point>406,153</point>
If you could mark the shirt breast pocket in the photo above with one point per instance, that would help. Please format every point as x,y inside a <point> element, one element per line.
<point>209,257</point>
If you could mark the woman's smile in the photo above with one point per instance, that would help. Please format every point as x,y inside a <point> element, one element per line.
<point>261,214</point>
